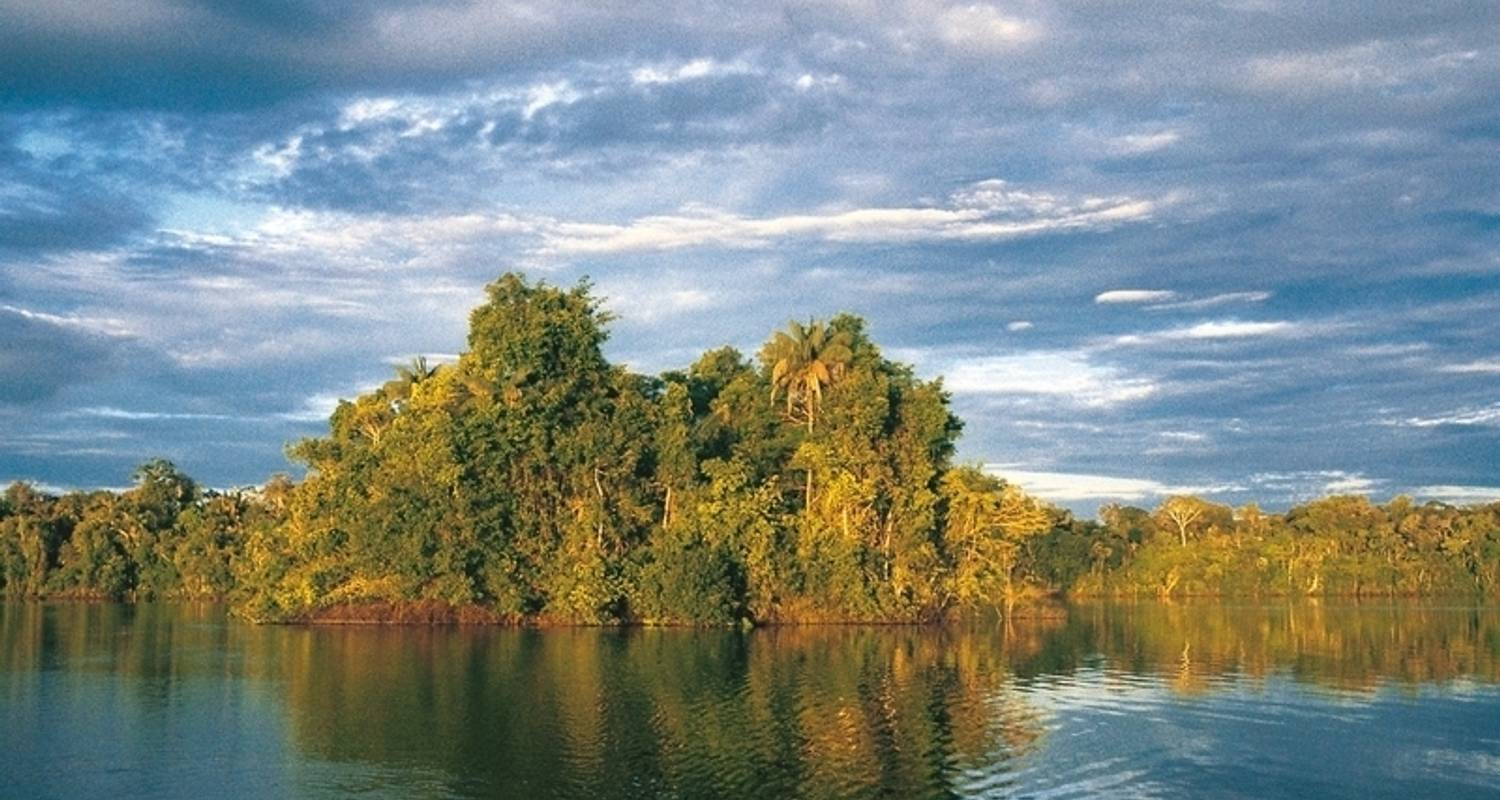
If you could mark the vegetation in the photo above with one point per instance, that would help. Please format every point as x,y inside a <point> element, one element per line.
<point>535,481</point>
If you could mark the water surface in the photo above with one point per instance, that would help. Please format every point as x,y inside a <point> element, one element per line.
<point>1189,700</point>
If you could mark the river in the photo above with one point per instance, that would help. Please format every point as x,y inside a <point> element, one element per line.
<point>1284,699</point>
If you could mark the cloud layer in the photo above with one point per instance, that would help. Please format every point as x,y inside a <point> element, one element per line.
<point>1251,249</point>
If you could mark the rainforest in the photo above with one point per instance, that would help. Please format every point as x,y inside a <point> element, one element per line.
<point>534,482</point>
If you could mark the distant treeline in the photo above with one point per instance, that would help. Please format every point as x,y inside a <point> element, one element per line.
<point>535,481</point>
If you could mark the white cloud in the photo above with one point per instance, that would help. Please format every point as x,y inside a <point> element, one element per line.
<point>1388,349</point>
<point>367,109</point>
<point>1141,143</point>
<point>1205,331</point>
<point>807,81</point>
<point>1308,485</point>
<point>1019,325</point>
<point>1184,436</point>
<point>279,160</point>
<point>547,94</point>
<point>1228,329</point>
<point>1413,65</point>
<point>1460,494</point>
<point>686,71</point>
<point>1350,67</point>
<point>110,412</point>
<point>1065,375</point>
<point>1214,300</point>
<point>1074,487</point>
<point>635,302</point>
<point>317,408</point>
<point>102,326</point>
<point>1485,367</point>
<point>1372,65</point>
<point>372,241</point>
<point>981,29</point>
<point>433,359</point>
<point>988,210</point>
<point>40,486</point>
<point>1488,415</point>
<point>1134,296</point>
<point>1349,484</point>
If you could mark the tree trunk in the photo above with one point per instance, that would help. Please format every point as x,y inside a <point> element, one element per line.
<point>885,546</point>
<point>599,528</point>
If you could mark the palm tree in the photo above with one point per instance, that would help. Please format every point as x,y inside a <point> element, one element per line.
<point>804,360</point>
<point>409,375</point>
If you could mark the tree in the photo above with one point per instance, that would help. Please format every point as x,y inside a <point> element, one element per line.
<point>804,361</point>
<point>408,376</point>
<point>989,521</point>
<point>161,492</point>
<point>1180,512</point>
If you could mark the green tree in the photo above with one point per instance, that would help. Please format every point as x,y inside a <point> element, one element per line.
<point>989,522</point>
<point>804,361</point>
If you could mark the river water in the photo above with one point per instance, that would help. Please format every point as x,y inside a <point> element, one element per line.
<point>1193,700</point>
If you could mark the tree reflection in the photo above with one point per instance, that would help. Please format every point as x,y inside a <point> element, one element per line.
<point>818,711</point>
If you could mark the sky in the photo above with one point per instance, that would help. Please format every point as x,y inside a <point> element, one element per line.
<point>1247,249</point>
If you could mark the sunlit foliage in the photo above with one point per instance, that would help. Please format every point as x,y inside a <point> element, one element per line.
<point>532,480</point>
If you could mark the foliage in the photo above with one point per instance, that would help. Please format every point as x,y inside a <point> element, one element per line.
<point>532,480</point>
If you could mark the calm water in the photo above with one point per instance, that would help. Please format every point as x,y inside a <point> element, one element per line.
<point>1153,700</point>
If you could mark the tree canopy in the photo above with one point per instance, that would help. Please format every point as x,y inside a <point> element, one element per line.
<point>534,481</point>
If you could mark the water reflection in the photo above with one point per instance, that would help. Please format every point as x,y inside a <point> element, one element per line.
<point>1139,699</point>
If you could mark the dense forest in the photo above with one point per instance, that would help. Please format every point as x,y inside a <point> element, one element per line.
<point>533,481</point>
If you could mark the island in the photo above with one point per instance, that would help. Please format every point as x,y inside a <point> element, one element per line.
<point>535,482</point>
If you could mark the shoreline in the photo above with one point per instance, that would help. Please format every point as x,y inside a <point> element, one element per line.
<point>435,615</point>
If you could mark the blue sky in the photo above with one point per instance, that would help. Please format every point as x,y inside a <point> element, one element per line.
<point>1247,249</point>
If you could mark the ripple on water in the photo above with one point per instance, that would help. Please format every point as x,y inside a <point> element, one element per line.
<point>1139,702</point>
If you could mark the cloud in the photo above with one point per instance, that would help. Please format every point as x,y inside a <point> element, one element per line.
<point>1213,330</point>
<point>1350,67</point>
<point>269,199</point>
<point>1485,367</point>
<point>1482,416</point>
<point>686,71</point>
<point>316,408</point>
<point>1077,487</point>
<point>1304,485</point>
<point>1460,494</point>
<point>1070,377</point>
<point>1135,144</point>
<point>201,54</point>
<point>981,29</point>
<point>649,302</point>
<point>433,359</point>
<point>1019,325</point>
<point>1213,301</point>
<point>46,208</point>
<point>42,354</point>
<point>1369,66</point>
<point>53,489</point>
<point>1350,484</point>
<point>1117,296</point>
<point>382,152</point>
<point>110,412</point>
<point>988,210</point>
